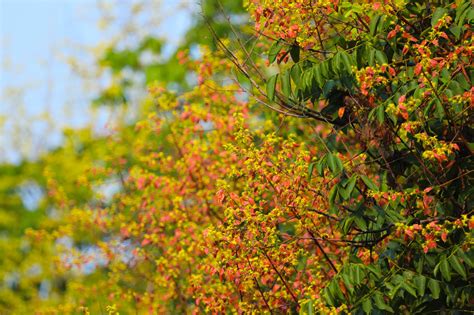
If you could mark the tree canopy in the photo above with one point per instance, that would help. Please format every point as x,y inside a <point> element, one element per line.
<point>292,156</point>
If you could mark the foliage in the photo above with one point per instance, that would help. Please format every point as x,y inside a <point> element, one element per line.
<point>394,80</point>
<point>211,203</point>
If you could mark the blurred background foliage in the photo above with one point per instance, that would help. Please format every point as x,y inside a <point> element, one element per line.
<point>134,56</point>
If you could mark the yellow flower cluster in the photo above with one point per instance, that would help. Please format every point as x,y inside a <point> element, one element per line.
<point>435,149</point>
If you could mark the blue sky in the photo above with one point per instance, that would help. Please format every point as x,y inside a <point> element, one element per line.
<point>35,35</point>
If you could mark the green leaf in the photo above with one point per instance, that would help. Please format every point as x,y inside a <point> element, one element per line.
<point>419,264</point>
<point>420,283</point>
<point>310,170</point>
<point>369,183</point>
<point>327,89</point>
<point>339,164</point>
<point>456,30</point>
<point>349,187</point>
<point>296,74</point>
<point>437,15</point>
<point>295,53</point>
<point>374,24</point>
<point>394,290</point>
<point>347,61</point>
<point>379,301</point>
<point>332,163</point>
<point>320,166</point>
<point>344,194</point>
<point>324,69</point>
<point>444,267</point>
<point>318,76</point>
<point>360,222</point>
<point>332,195</point>
<point>336,290</point>
<point>434,288</point>
<point>361,56</point>
<point>336,63</point>
<point>308,79</point>
<point>274,51</point>
<point>271,85</point>
<point>465,257</point>
<point>381,57</point>
<point>375,270</point>
<point>436,269</point>
<point>346,224</point>
<point>285,84</point>
<point>371,57</point>
<point>332,290</point>
<point>462,11</point>
<point>380,114</point>
<point>409,289</point>
<point>457,266</point>
<point>439,109</point>
<point>348,283</point>
<point>242,79</point>
<point>358,274</point>
<point>307,308</point>
<point>351,183</point>
<point>328,297</point>
<point>367,305</point>
<point>470,14</point>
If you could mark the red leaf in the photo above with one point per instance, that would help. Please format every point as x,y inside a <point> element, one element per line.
<point>341,111</point>
<point>418,68</point>
<point>391,34</point>
<point>444,236</point>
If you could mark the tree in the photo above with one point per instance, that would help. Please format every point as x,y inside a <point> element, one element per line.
<point>352,195</point>
<point>394,81</point>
